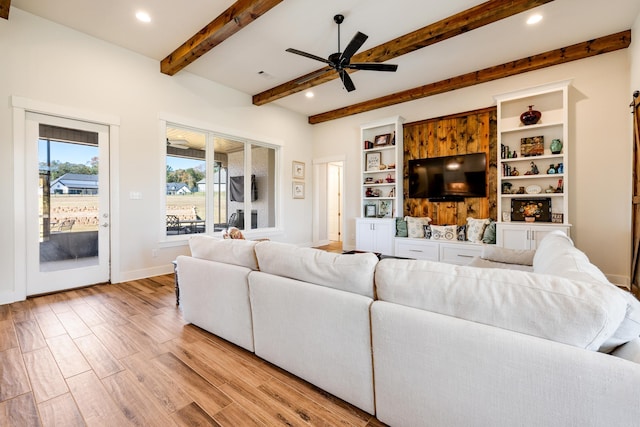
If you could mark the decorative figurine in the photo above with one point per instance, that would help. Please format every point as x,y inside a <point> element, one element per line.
<point>552,169</point>
<point>515,172</point>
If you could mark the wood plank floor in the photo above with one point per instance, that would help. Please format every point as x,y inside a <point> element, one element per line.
<point>122,355</point>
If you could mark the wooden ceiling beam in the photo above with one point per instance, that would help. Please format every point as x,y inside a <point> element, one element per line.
<point>574,52</point>
<point>5,5</point>
<point>232,20</point>
<point>460,23</point>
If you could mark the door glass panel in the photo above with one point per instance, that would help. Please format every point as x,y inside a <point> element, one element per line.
<point>186,185</point>
<point>68,205</point>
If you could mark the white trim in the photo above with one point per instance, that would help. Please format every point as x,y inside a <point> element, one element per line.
<point>35,106</point>
<point>219,130</point>
<point>316,215</point>
<point>126,276</point>
<point>20,107</point>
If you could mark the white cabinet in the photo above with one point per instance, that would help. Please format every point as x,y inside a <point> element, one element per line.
<point>459,253</point>
<point>452,252</point>
<point>519,236</point>
<point>417,249</point>
<point>375,235</point>
<point>533,176</point>
<point>381,163</point>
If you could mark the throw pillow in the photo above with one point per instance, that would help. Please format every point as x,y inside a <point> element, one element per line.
<point>489,235</point>
<point>462,233</point>
<point>444,232</point>
<point>508,256</point>
<point>415,225</point>
<point>427,232</point>
<point>475,229</point>
<point>401,228</point>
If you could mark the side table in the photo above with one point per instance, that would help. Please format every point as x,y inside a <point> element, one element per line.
<point>175,275</point>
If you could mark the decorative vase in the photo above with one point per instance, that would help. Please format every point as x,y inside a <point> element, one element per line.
<point>556,146</point>
<point>552,169</point>
<point>529,218</point>
<point>530,117</point>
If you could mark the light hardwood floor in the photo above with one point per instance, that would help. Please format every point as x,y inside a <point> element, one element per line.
<point>122,355</point>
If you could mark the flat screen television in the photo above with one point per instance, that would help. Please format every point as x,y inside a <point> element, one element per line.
<point>236,189</point>
<point>448,177</point>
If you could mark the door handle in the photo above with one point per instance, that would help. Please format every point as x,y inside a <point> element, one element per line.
<point>105,225</point>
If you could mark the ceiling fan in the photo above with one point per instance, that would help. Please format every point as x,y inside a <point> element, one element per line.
<point>341,61</point>
<point>178,143</point>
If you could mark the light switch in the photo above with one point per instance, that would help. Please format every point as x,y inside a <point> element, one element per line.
<point>135,195</point>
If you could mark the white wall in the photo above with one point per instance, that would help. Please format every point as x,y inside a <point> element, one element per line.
<point>47,62</point>
<point>600,153</point>
<point>634,53</point>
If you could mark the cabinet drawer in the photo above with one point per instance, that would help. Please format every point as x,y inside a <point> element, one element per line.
<point>459,254</point>
<point>417,250</point>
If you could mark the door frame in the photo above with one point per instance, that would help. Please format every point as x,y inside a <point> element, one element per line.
<point>320,203</point>
<point>21,106</point>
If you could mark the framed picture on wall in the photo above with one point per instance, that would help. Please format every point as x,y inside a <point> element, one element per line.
<point>298,170</point>
<point>298,190</point>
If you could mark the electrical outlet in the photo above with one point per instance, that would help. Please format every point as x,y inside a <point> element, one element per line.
<point>154,253</point>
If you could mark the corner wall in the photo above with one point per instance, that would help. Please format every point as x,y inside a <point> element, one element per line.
<point>601,151</point>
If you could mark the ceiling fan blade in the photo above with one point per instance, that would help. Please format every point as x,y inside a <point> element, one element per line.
<point>312,76</point>
<point>373,66</point>
<point>309,55</point>
<point>356,43</point>
<point>346,81</point>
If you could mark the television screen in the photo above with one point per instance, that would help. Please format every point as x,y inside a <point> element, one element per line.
<point>448,177</point>
<point>236,189</point>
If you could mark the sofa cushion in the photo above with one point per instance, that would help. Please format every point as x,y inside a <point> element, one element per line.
<point>477,261</point>
<point>551,307</point>
<point>507,256</point>
<point>229,251</point>
<point>557,255</point>
<point>351,273</point>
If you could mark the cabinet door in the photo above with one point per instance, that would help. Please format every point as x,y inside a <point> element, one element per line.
<point>365,236</point>
<point>384,232</point>
<point>513,237</point>
<point>538,233</point>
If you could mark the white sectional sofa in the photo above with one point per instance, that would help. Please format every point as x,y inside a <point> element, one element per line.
<point>430,343</point>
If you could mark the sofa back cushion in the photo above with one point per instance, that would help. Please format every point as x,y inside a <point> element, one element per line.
<point>557,255</point>
<point>571,312</point>
<point>229,251</point>
<point>351,273</point>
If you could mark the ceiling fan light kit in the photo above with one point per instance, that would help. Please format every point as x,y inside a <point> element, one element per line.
<point>341,61</point>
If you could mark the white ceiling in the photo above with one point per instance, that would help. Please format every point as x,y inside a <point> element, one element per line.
<point>308,25</point>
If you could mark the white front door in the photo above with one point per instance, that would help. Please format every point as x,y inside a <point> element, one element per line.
<point>67,203</point>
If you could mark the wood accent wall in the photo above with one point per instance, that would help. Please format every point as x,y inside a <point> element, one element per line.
<point>463,133</point>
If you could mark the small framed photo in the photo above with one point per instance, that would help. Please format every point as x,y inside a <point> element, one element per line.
<point>298,170</point>
<point>380,140</point>
<point>506,216</point>
<point>373,161</point>
<point>298,190</point>
<point>370,211</point>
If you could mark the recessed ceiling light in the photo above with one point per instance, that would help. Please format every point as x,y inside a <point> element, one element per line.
<point>309,94</point>
<point>143,16</point>
<point>534,19</point>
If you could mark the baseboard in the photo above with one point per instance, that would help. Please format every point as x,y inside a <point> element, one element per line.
<point>618,280</point>
<point>126,276</point>
<point>7,297</point>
